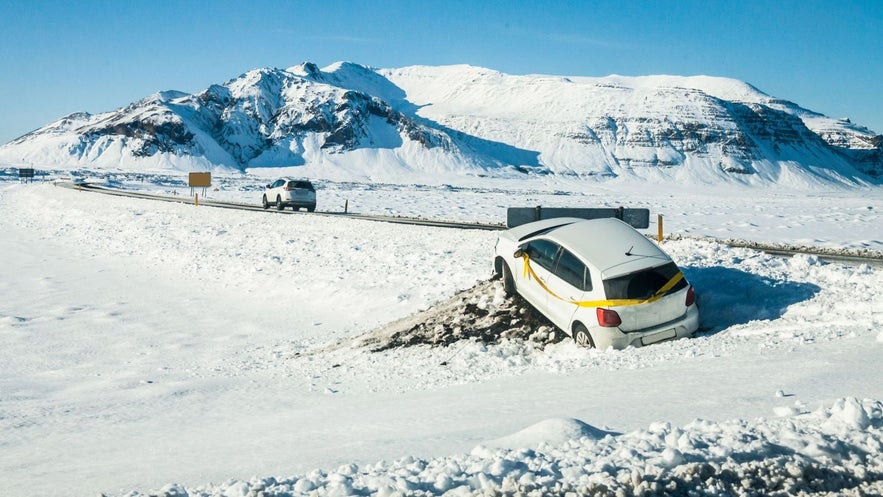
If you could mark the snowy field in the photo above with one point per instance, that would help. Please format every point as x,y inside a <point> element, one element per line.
<point>152,348</point>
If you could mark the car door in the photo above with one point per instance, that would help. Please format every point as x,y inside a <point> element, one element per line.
<point>643,285</point>
<point>557,280</point>
<point>531,281</point>
<point>273,190</point>
<point>570,282</point>
<point>302,191</point>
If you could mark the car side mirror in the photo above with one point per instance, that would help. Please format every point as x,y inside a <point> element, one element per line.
<point>268,186</point>
<point>518,253</point>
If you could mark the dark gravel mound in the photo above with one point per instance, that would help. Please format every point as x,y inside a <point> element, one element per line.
<point>475,314</point>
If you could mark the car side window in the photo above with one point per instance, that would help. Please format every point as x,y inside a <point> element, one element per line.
<point>573,271</point>
<point>542,252</point>
<point>277,183</point>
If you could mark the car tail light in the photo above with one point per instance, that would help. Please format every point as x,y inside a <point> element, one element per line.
<point>691,296</point>
<point>608,318</point>
<point>288,188</point>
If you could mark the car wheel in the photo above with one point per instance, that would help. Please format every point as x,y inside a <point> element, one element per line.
<point>508,281</point>
<point>279,205</point>
<point>311,208</point>
<point>264,203</point>
<point>581,336</point>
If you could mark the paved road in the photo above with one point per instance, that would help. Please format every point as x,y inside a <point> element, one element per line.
<point>273,210</point>
<point>852,259</point>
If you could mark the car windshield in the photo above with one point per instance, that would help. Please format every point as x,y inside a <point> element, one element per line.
<point>643,284</point>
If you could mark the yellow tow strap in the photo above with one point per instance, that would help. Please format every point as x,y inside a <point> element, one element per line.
<point>529,273</point>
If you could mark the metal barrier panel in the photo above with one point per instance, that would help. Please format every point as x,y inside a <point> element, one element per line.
<point>637,218</point>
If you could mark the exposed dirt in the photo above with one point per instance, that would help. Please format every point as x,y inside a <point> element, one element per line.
<point>482,313</point>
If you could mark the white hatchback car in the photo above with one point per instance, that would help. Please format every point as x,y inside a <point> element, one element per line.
<point>287,192</point>
<point>599,280</point>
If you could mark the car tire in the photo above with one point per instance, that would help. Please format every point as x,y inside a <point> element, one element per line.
<point>264,203</point>
<point>311,208</point>
<point>279,205</point>
<point>582,337</point>
<point>508,281</point>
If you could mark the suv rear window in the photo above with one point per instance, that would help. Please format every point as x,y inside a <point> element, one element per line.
<point>643,284</point>
<point>305,185</point>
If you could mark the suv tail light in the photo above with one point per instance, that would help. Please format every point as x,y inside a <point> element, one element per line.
<point>608,318</point>
<point>691,296</point>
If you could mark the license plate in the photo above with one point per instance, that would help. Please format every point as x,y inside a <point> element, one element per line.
<point>658,337</point>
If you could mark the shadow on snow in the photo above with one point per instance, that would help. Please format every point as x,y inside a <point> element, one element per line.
<point>729,297</point>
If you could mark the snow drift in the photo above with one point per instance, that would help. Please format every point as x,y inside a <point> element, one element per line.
<point>835,450</point>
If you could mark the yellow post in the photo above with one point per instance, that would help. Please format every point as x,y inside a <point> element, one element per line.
<point>659,227</point>
<point>196,201</point>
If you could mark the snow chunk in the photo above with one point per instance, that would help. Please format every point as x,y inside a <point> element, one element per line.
<point>848,414</point>
<point>554,431</point>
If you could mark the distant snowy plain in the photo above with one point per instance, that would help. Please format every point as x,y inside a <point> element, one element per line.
<point>153,348</point>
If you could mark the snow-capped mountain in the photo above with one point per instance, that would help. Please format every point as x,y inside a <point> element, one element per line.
<point>349,120</point>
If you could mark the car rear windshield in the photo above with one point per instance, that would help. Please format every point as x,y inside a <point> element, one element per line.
<point>643,284</point>
<point>305,185</point>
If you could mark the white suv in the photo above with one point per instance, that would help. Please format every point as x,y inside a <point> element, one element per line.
<point>599,280</point>
<point>287,192</point>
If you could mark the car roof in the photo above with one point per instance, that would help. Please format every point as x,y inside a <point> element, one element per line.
<point>289,178</point>
<point>612,246</point>
<point>528,230</point>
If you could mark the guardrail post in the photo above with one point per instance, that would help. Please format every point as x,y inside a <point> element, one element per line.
<point>346,206</point>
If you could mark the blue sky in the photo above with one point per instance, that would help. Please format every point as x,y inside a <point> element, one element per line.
<point>58,57</point>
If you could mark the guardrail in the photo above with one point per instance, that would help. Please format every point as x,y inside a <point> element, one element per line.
<point>842,256</point>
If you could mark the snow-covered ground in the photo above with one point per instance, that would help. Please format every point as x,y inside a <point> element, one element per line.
<point>161,348</point>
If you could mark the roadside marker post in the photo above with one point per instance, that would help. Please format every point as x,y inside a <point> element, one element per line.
<point>659,228</point>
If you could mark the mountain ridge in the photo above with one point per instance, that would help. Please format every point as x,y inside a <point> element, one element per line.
<point>350,120</point>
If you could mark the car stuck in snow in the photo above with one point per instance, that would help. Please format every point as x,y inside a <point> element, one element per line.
<point>599,280</point>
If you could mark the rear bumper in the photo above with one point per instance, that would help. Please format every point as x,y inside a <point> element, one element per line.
<point>298,201</point>
<point>617,339</point>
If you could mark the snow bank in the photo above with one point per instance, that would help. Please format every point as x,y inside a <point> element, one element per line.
<point>208,345</point>
<point>832,450</point>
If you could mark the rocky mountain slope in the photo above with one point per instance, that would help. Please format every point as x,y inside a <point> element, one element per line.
<point>352,121</point>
